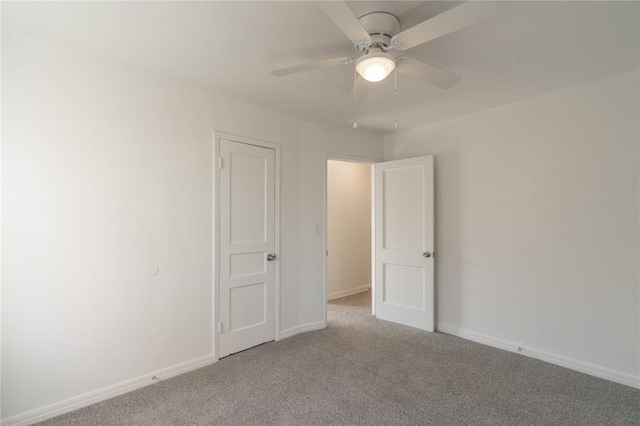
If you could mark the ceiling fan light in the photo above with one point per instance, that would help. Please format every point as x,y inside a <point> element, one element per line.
<point>375,67</point>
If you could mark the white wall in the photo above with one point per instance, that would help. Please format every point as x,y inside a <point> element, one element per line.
<point>106,170</point>
<point>348,228</point>
<point>537,224</point>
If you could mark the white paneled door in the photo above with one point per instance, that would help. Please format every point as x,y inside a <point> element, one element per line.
<point>247,243</point>
<point>404,263</point>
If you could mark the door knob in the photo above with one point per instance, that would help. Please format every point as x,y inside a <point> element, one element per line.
<point>426,254</point>
<point>271,257</point>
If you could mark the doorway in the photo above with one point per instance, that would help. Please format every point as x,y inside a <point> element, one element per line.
<point>401,239</point>
<point>349,242</point>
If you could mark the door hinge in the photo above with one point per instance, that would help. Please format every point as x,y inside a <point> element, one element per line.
<point>219,162</point>
<point>219,328</point>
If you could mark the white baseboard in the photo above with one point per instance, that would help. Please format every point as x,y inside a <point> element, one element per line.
<point>58,408</point>
<point>71,404</point>
<point>573,364</point>
<point>349,292</point>
<point>93,397</point>
<point>301,329</point>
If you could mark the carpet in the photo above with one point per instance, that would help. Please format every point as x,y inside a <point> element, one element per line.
<point>360,370</point>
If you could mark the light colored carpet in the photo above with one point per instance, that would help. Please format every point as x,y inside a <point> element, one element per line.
<point>361,370</point>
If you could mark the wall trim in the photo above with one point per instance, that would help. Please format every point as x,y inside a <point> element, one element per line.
<point>562,361</point>
<point>351,291</point>
<point>312,326</point>
<point>89,398</point>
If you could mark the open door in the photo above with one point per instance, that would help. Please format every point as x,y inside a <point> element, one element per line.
<point>404,264</point>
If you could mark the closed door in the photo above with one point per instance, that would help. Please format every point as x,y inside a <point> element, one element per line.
<point>247,242</point>
<point>404,256</point>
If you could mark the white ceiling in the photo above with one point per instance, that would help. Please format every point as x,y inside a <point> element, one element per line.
<point>231,48</point>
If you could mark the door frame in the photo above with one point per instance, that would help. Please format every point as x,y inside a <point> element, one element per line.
<point>350,159</point>
<point>217,135</point>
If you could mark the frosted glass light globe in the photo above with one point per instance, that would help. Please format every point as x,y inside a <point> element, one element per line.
<point>375,67</point>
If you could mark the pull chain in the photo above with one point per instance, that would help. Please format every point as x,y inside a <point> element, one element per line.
<point>395,96</point>
<point>355,97</point>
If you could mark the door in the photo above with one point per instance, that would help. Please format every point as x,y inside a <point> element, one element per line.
<point>247,242</point>
<point>404,263</point>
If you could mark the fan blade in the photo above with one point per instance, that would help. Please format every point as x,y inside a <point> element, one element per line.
<point>455,19</point>
<point>429,73</point>
<point>344,18</point>
<point>313,66</point>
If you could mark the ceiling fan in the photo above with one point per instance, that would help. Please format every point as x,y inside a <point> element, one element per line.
<point>375,34</point>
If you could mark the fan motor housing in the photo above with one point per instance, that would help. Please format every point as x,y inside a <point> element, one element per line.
<point>381,26</point>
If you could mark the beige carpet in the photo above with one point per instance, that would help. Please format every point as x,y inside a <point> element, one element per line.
<point>365,371</point>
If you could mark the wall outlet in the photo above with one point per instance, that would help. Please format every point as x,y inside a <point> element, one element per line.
<point>317,229</point>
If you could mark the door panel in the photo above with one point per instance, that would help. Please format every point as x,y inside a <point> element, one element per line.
<point>404,233</point>
<point>247,264</point>
<point>248,178</point>
<point>400,225</point>
<point>402,286</point>
<point>247,304</point>
<point>247,235</point>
